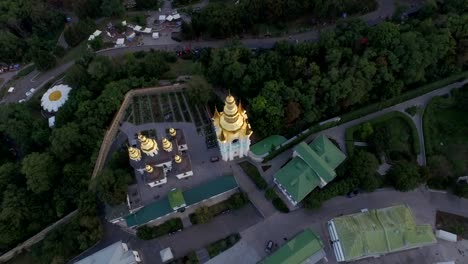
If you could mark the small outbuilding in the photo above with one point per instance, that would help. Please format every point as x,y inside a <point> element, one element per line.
<point>120,42</point>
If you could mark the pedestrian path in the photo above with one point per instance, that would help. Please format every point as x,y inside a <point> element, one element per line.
<point>202,255</point>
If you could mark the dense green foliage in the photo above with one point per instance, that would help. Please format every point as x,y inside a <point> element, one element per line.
<point>152,232</point>
<point>221,245</point>
<point>363,166</point>
<point>222,20</point>
<point>254,174</point>
<point>78,32</point>
<point>200,91</point>
<point>46,171</point>
<point>204,214</point>
<point>405,176</point>
<point>280,205</point>
<point>293,86</point>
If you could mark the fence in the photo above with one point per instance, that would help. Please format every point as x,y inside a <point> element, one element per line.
<point>111,133</point>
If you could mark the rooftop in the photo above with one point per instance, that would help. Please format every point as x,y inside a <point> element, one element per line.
<point>297,250</point>
<point>378,232</point>
<point>116,253</point>
<point>264,146</point>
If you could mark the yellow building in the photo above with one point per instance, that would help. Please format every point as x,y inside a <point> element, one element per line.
<point>233,130</point>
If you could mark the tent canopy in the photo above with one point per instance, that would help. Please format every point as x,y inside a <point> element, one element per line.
<point>166,254</point>
<point>120,41</point>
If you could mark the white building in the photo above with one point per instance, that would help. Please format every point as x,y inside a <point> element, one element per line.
<point>233,130</point>
<point>117,253</point>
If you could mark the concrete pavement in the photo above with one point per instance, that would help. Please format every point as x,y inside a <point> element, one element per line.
<point>280,226</point>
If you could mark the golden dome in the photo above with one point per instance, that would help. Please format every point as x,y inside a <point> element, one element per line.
<point>167,145</point>
<point>177,159</point>
<point>147,144</point>
<point>134,153</point>
<point>149,168</point>
<point>172,132</point>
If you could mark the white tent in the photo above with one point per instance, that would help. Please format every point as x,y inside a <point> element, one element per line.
<point>11,89</point>
<point>120,42</point>
<point>166,254</point>
<point>124,23</point>
<point>91,37</point>
<point>169,18</point>
<point>177,16</point>
<point>147,30</point>
<point>55,97</point>
<point>155,35</point>
<point>97,33</point>
<point>137,28</point>
<point>162,17</point>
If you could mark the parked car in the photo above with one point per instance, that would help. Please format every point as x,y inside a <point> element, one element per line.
<point>214,159</point>
<point>21,101</point>
<point>28,93</point>
<point>32,90</point>
<point>269,246</point>
<point>352,194</point>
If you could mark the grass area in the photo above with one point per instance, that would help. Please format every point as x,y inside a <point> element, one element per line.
<point>182,67</point>
<point>371,109</point>
<point>453,223</point>
<point>204,215</point>
<point>221,245</point>
<point>151,232</point>
<point>254,175</point>
<point>446,129</point>
<point>394,133</point>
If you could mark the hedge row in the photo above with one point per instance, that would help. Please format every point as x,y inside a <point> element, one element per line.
<point>221,245</point>
<point>151,232</point>
<point>271,195</point>
<point>254,174</point>
<point>371,109</point>
<point>236,201</point>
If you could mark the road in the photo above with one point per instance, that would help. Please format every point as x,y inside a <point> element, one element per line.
<point>279,226</point>
<point>384,10</point>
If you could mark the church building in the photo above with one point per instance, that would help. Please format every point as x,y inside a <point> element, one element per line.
<point>233,130</point>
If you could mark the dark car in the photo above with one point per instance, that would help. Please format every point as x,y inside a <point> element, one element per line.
<point>352,194</point>
<point>214,159</point>
<point>269,246</point>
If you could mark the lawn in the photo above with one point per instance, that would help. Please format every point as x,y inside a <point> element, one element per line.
<point>393,134</point>
<point>446,130</point>
<point>182,67</point>
<point>453,223</point>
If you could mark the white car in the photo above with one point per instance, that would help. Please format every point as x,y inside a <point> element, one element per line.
<point>137,256</point>
<point>11,89</point>
<point>28,93</point>
<point>21,101</point>
<point>32,90</point>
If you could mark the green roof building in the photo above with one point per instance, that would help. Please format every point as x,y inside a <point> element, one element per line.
<point>312,165</point>
<point>373,233</point>
<point>303,248</point>
<point>176,199</point>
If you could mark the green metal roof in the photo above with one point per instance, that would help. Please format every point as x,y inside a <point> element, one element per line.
<point>297,178</point>
<point>297,250</point>
<point>264,146</point>
<point>321,168</point>
<point>176,198</point>
<point>207,190</point>
<point>324,148</point>
<point>149,212</point>
<point>380,231</point>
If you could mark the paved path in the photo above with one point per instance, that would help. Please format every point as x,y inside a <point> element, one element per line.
<point>256,196</point>
<point>422,202</point>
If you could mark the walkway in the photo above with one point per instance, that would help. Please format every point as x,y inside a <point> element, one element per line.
<point>256,196</point>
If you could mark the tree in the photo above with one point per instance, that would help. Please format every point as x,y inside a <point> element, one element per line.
<point>147,4</point>
<point>404,176</point>
<point>96,43</point>
<point>66,141</point>
<point>113,185</point>
<point>43,60</point>
<point>199,91</point>
<point>13,48</point>
<point>112,8</point>
<point>203,215</point>
<point>40,170</point>
<point>101,68</point>
<point>365,130</point>
<point>363,166</point>
<point>9,174</point>
<point>77,76</point>
<point>461,189</point>
<point>154,65</point>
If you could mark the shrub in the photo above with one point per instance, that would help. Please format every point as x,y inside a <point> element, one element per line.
<point>270,193</point>
<point>151,232</point>
<point>221,245</point>
<point>254,175</point>
<point>333,189</point>
<point>280,205</point>
<point>237,200</point>
<point>205,214</point>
